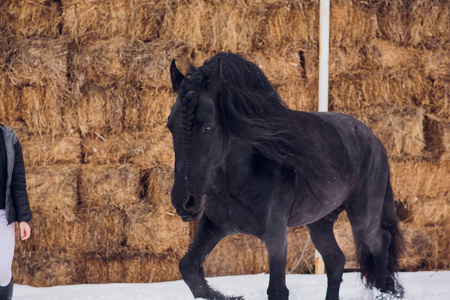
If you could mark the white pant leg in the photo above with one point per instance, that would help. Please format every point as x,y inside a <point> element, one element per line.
<point>7,240</point>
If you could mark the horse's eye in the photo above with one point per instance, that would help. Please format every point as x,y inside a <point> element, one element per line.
<point>206,128</point>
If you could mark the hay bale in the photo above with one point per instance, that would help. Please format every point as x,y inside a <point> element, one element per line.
<point>43,110</point>
<point>290,76</point>
<point>378,74</point>
<point>46,268</point>
<point>24,19</point>
<point>50,150</point>
<point>129,266</point>
<point>146,267</point>
<point>353,24</point>
<point>154,225</point>
<point>415,23</point>
<point>109,186</point>
<point>426,246</point>
<point>39,62</point>
<point>86,20</point>
<point>117,61</point>
<point>237,255</point>
<point>414,181</point>
<point>53,190</point>
<point>150,110</point>
<point>38,67</point>
<point>400,129</point>
<point>54,233</point>
<point>144,148</point>
<point>100,109</point>
<point>240,26</point>
<point>245,254</point>
<point>102,228</point>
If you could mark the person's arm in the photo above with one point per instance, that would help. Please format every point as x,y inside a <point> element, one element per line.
<point>19,187</point>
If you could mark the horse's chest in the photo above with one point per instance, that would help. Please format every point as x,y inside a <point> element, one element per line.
<point>232,217</point>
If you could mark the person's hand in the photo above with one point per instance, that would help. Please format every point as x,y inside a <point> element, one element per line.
<point>25,230</point>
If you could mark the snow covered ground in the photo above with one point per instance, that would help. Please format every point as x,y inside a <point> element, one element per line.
<point>418,286</point>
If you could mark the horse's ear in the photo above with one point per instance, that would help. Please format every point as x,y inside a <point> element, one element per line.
<point>216,79</point>
<point>176,76</point>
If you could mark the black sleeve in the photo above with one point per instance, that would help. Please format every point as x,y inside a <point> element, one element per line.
<point>19,187</point>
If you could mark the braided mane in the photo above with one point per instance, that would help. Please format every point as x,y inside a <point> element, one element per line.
<point>188,94</point>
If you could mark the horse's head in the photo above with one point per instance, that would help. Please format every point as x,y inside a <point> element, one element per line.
<point>196,137</point>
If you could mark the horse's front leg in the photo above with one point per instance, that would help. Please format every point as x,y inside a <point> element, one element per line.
<point>206,238</point>
<point>276,242</point>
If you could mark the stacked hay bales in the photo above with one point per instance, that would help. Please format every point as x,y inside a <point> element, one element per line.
<point>85,84</point>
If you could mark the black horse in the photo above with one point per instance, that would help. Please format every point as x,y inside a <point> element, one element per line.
<point>245,163</point>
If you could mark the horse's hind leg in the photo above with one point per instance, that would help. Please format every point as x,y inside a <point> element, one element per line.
<point>206,238</point>
<point>321,233</point>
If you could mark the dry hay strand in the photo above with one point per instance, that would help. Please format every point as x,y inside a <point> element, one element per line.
<point>54,189</point>
<point>11,105</point>
<point>37,18</point>
<point>46,268</point>
<point>129,266</point>
<point>96,19</point>
<point>415,23</point>
<point>102,228</point>
<point>100,109</point>
<point>154,224</point>
<point>400,129</point>
<point>414,181</point>
<point>39,62</point>
<point>112,186</point>
<point>49,150</point>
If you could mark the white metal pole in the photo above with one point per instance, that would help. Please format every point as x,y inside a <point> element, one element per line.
<point>324,53</point>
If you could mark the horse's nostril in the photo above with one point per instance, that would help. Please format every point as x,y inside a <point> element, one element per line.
<point>190,203</point>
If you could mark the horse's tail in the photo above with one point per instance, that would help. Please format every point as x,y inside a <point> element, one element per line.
<point>389,222</point>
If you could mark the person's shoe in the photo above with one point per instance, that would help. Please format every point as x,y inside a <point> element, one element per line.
<point>7,291</point>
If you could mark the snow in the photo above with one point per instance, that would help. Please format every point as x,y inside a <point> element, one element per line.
<point>418,286</point>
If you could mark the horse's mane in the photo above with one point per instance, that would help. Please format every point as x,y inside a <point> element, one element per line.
<point>251,111</point>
